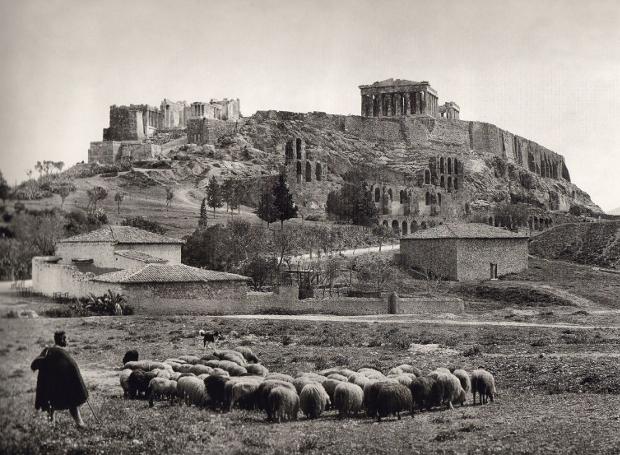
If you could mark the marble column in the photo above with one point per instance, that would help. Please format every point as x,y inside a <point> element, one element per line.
<point>407,103</point>
<point>390,101</point>
<point>397,104</point>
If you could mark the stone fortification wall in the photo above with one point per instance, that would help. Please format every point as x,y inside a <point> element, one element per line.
<point>109,152</point>
<point>208,131</point>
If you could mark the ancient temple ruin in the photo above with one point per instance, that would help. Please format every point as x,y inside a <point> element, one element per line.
<point>396,97</point>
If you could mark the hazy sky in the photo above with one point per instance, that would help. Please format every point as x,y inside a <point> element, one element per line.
<point>546,70</point>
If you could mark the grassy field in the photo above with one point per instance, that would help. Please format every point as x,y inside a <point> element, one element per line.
<point>558,388</point>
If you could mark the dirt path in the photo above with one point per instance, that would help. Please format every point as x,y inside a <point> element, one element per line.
<point>403,319</point>
<point>576,300</point>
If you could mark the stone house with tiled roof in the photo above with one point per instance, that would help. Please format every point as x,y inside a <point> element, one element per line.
<point>145,267</point>
<point>465,252</point>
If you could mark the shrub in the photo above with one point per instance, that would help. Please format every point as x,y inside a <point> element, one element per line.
<point>142,223</point>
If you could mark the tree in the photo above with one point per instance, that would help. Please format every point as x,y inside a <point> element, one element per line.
<point>266,210</point>
<point>63,191</point>
<point>118,198</point>
<point>95,195</point>
<point>512,215</point>
<point>59,165</point>
<point>5,189</point>
<point>382,232</point>
<point>169,196</point>
<point>283,201</point>
<point>261,269</point>
<point>353,202</point>
<point>202,221</point>
<point>286,242</point>
<point>374,268</point>
<point>228,192</point>
<point>214,194</point>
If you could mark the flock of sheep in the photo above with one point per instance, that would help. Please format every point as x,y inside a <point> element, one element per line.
<point>230,378</point>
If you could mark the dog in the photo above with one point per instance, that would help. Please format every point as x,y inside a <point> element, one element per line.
<point>209,337</point>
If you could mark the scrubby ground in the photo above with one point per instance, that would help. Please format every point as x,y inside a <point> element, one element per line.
<point>559,388</point>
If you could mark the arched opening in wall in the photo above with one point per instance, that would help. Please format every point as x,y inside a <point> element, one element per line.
<point>490,221</point>
<point>299,172</point>
<point>442,182</point>
<point>428,198</point>
<point>439,199</point>
<point>403,229</point>
<point>377,195</point>
<point>455,166</point>
<point>298,148</point>
<point>449,165</point>
<point>449,183</point>
<point>390,194</point>
<point>288,151</point>
<point>385,223</point>
<point>402,197</point>
<point>441,165</point>
<point>395,227</point>
<point>496,222</point>
<point>414,226</point>
<point>456,184</point>
<point>423,225</point>
<point>308,172</point>
<point>427,176</point>
<point>318,172</point>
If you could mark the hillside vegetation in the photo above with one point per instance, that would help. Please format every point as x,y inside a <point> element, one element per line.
<point>584,243</point>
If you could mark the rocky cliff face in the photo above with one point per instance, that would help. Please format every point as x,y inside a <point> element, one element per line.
<point>422,170</point>
<point>421,166</point>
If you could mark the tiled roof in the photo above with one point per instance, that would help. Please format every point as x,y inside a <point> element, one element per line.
<point>168,273</point>
<point>121,234</point>
<point>465,231</point>
<point>140,256</point>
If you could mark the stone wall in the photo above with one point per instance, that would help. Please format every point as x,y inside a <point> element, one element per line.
<point>49,278</point>
<point>436,255</point>
<point>208,131</point>
<point>109,152</point>
<point>104,152</point>
<point>474,257</point>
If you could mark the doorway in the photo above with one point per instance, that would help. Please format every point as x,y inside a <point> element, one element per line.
<point>493,268</point>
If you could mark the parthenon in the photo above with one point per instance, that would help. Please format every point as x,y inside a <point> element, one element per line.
<point>398,97</point>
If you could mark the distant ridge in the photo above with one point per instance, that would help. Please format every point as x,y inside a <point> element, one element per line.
<point>615,211</point>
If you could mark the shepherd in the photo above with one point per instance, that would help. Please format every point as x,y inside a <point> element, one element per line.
<point>59,384</point>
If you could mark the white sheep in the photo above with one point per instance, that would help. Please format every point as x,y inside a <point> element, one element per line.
<point>348,399</point>
<point>464,378</point>
<point>483,383</point>
<point>161,388</point>
<point>313,400</point>
<point>192,390</point>
<point>283,404</point>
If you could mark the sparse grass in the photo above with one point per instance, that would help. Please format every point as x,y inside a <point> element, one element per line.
<point>532,391</point>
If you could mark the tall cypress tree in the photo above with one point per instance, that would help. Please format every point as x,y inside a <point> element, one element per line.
<point>266,210</point>
<point>283,201</point>
<point>202,222</point>
<point>214,194</point>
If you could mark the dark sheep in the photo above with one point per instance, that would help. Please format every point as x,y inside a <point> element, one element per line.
<point>138,383</point>
<point>421,392</point>
<point>216,390</point>
<point>392,399</point>
<point>371,391</point>
<point>130,356</point>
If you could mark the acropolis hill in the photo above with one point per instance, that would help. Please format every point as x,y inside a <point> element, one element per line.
<point>426,165</point>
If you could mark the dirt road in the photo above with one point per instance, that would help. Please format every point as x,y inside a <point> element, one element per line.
<point>404,319</point>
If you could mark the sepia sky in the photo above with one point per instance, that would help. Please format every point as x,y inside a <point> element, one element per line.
<point>546,70</point>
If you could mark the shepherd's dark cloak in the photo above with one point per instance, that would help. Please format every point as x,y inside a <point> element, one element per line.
<point>60,384</point>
